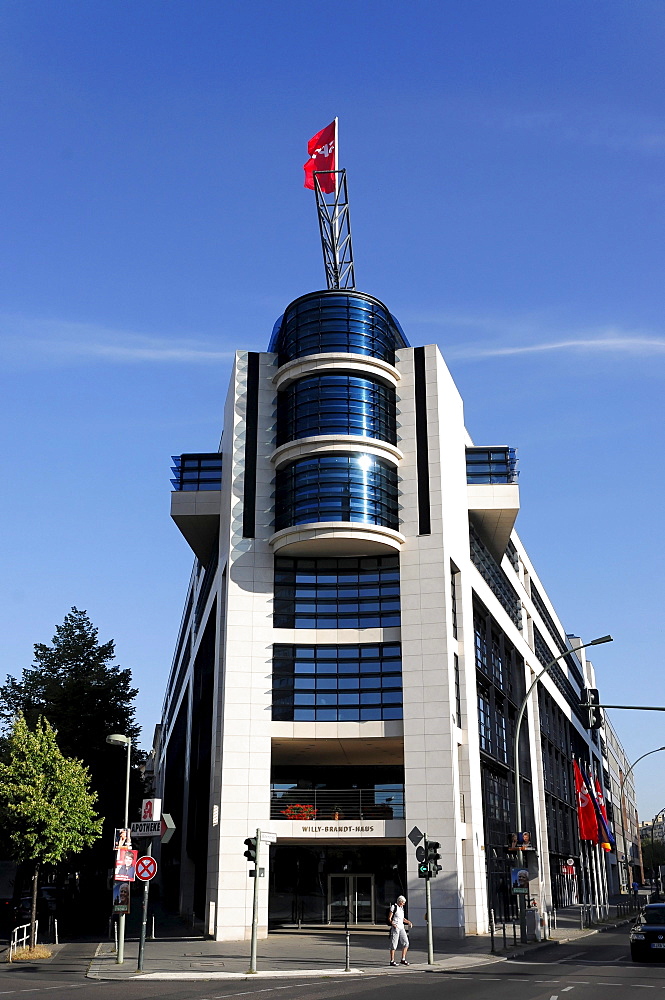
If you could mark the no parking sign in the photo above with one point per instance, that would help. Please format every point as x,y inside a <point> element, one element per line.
<point>146,868</point>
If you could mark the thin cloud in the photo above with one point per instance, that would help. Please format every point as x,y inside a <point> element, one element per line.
<point>642,346</point>
<point>35,341</point>
<point>504,336</point>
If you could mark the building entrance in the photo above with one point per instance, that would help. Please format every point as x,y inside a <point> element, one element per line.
<point>353,894</point>
<point>313,883</point>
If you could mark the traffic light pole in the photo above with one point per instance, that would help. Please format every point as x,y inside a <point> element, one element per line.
<point>428,917</point>
<point>255,907</point>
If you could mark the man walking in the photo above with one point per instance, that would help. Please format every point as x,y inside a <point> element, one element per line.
<point>398,935</point>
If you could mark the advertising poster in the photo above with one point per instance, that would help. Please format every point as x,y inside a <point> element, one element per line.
<point>122,838</point>
<point>519,881</point>
<point>121,897</point>
<point>125,866</point>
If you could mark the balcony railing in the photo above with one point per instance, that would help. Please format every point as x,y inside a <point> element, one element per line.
<point>386,802</point>
<point>491,465</point>
<point>197,472</point>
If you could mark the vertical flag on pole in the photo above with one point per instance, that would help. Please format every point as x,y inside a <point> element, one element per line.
<point>586,814</point>
<point>322,149</point>
<point>607,841</point>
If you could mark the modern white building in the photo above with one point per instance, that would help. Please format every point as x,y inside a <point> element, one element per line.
<point>361,626</point>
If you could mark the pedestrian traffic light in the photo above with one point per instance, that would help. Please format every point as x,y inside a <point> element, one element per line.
<point>421,858</point>
<point>250,853</point>
<point>433,857</point>
<point>590,701</point>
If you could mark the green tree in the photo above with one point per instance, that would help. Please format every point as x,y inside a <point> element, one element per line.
<point>46,807</point>
<point>85,695</point>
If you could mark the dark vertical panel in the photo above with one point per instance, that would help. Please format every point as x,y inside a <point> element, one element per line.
<point>198,812</point>
<point>422,458</point>
<point>251,431</point>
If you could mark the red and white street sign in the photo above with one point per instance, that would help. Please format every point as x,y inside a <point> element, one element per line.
<point>146,868</point>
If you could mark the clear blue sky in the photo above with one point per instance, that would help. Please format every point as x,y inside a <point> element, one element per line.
<point>505,166</point>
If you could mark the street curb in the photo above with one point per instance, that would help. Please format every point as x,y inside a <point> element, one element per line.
<point>455,963</point>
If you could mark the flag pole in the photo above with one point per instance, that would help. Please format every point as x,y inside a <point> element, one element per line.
<point>336,175</point>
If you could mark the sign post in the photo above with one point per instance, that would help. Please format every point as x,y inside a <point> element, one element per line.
<point>146,869</point>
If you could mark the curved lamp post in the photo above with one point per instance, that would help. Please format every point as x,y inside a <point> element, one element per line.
<point>516,755</point>
<point>621,805</point>
<point>654,879</point>
<point>118,740</point>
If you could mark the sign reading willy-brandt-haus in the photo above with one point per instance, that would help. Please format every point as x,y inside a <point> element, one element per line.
<point>343,829</point>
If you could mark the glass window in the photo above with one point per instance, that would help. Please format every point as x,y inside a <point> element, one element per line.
<point>351,323</point>
<point>336,404</point>
<point>354,488</point>
<point>360,697</point>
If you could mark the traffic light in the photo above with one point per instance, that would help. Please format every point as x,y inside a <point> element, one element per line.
<point>433,857</point>
<point>421,858</point>
<point>250,853</point>
<point>594,716</point>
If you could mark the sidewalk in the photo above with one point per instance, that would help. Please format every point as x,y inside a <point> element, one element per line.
<point>319,951</point>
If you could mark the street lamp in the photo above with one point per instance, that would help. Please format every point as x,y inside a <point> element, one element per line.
<point>516,755</point>
<point>655,880</point>
<point>118,740</point>
<point>622,784</point>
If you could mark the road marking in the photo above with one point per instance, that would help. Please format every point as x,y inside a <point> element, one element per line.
<point>569,958</point>
<point>566,988</point>
<point>272,989</point>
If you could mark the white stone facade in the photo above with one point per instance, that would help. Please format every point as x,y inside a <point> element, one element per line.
<point>438,741</point>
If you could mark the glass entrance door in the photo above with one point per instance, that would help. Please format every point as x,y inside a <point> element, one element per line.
<point>355,892</point>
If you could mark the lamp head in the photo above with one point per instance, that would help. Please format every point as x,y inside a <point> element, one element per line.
<point>603,638</point>
<point>118,740</point>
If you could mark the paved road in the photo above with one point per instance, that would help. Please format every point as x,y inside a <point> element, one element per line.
<point>593,968</point>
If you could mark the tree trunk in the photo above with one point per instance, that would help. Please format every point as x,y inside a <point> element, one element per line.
<point>33,907</point>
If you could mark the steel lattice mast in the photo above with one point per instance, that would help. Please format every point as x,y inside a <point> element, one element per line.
<point>335,229</point>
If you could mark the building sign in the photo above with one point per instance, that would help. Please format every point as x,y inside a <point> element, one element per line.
<point>151,809</point>
<point>349,829</point>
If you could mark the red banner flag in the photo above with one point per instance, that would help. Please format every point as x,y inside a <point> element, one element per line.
<point>586,814</point>
<point>322,149</point>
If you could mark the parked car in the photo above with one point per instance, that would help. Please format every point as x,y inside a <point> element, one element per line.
<point>647,935</point>
<point>47,899</point>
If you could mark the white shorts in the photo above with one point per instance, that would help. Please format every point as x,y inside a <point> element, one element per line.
<point>398,938</point>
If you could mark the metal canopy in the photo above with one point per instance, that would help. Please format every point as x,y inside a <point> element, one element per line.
<point>335,228</point>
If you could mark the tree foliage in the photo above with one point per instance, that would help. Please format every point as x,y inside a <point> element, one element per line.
<point>76,684</point>
<point>77,687</point>
<point>46,807</point>
<point>47,810</point>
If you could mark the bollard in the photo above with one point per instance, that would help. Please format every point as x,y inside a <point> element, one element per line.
<point>554,917</point>
<point>514,933</point>
<point>152,928</point>
<point>504,935</point>
<point>492,946</point>
<point>581,918</point>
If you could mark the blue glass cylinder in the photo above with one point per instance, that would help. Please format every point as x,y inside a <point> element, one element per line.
<point>336,404</point>
<point>337,487</point>
<point>337,321</point>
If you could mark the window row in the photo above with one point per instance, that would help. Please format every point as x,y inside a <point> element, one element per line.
<point>337,683</point>
<point>355,488</point>
<point>337,593</point>
<point>351,324</point>
<point>336,404</point>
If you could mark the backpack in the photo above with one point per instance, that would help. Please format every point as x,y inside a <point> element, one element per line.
<point>390,913</point>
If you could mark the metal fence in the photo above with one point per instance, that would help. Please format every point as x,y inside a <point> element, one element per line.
<point>337,803</point>
<point>20,938</point>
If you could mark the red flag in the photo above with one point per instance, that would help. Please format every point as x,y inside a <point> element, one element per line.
<point>322,149</point>
<point>586,814</point>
